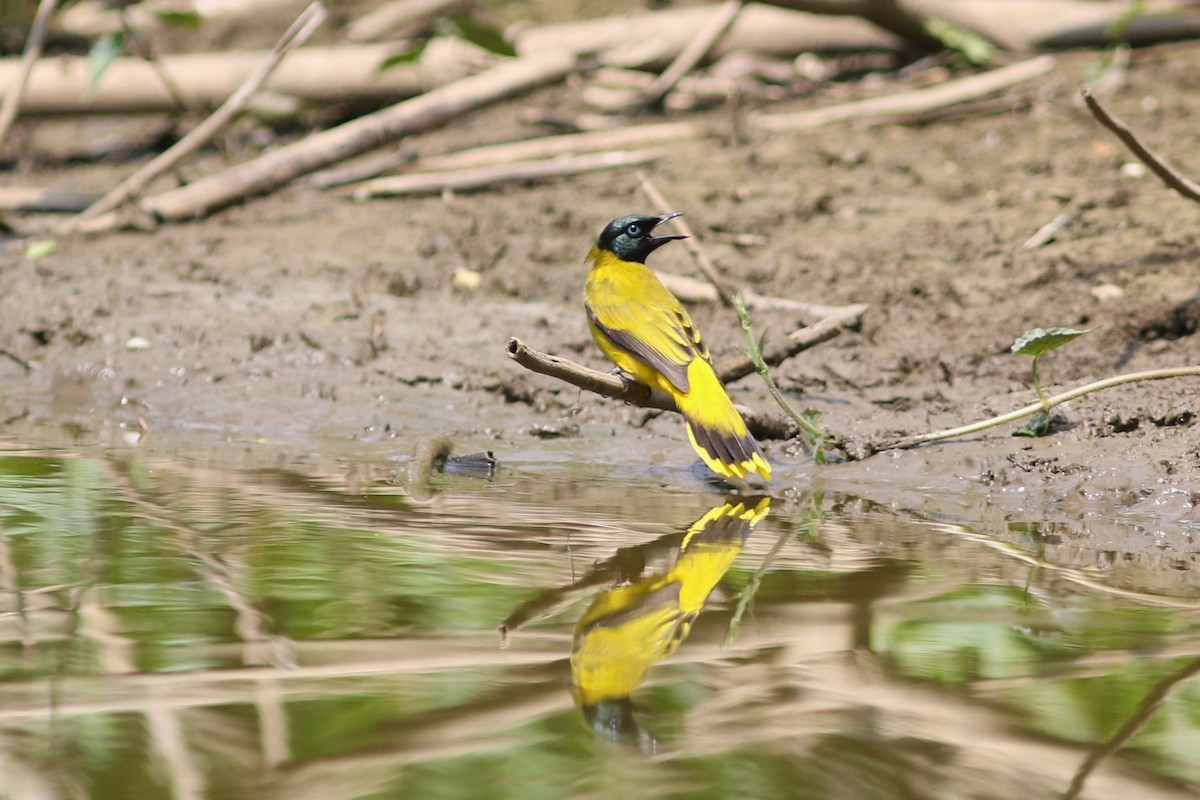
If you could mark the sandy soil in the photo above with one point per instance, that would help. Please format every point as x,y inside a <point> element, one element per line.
<point>308,323</point>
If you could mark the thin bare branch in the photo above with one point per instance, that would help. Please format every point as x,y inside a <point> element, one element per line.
<point>33,49</point>
<point>693,245</point>
<point>1169,175</point>
<point>696,50</point>
<point>304,26</point>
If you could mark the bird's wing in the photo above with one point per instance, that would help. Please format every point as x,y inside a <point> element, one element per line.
<point>659,334</point>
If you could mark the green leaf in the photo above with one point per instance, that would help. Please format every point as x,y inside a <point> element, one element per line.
<point>40,249</point>
<point>481,35</point>
<point>188,20</point>
<point>1040,341</point>
<point>968,44</point>
<point>106,50</point>
<point>1038,425</point>
<point>408,56</point>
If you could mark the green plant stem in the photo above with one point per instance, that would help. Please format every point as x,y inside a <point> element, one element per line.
<point>1037,387</point>
<point>815,434</point>
<point>1045,404</point>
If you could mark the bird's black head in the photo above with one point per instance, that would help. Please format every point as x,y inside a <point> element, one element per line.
<point>631,238</point>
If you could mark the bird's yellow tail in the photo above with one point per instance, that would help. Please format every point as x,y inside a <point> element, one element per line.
<point>715,428</point>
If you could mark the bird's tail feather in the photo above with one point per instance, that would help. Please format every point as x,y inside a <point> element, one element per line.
<point>715,428</point>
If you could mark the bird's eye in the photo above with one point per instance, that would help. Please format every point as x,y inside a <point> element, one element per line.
<point>634,230</point>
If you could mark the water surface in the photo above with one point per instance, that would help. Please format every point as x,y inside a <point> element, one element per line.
<point>172,631</point>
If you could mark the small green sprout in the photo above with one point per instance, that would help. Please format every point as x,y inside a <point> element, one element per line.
<point>1035,344</point>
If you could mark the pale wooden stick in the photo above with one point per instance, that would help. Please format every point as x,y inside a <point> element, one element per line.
<point>304,26</point>
<point>916,101</point>
<point>1169,175</point>
<point>477,177</point>
<point>796,342</point>
<point>705,263</point>
<point>541,147</point>
<point>278,167</point>
<point>696,50</point>
<point>33,48</point>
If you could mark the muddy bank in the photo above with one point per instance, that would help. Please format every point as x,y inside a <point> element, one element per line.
<point>306,325</point>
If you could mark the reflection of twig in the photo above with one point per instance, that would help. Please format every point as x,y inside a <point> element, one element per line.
<point>33,49</point>
<point>1170,176</point>
<point>807,521</point>
<point>1145,710</point>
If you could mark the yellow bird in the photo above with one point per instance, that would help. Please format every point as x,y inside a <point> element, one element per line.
<point>647,333</point>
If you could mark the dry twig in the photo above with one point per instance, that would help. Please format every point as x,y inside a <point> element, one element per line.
<point>1169,175</point>
<point>706,265</point>
<point>508,152</point>
<point>913,102</point>
<point>397,19</point>
<point>278,167</point>
<point>478,177</point>
<point>696,50</point>
<point>33,48</point>
<point>308,21</point>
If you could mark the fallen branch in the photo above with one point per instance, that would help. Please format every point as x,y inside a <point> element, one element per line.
<point>309,20</point>
<point>1034,408</point>
<point>606,384</point>
<point>278,167</point>
<point>316,74</point>
<point>796,342</point>
<point>508,152</point>
<point>33,48</point>
<point>1169,175</point>
<point>912,102</point>
<point>1045,234</point>
<point>693,245</point>
<point>655,38</point>
<point>695,51</point>
<point>456,180</point>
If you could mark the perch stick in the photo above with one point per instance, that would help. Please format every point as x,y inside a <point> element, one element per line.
<point>299,31</point>
<point>706,265</point>
<point>33,48</point>
<point>278,167</point>
<point>1169,175</point>
<point>508,152</point>
<point>912,102</point>
<point>612,386</point>
<point>427,182</point>
<point>696,50</point>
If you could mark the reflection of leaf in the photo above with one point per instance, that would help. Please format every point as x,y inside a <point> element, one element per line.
<point>1040,341</point>
<point>106,50</point>
<point>481,35</point>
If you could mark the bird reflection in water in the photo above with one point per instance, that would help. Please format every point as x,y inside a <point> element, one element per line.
<point>644,615</point>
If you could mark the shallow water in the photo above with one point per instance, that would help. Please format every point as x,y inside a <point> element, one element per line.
<point>176,631</point>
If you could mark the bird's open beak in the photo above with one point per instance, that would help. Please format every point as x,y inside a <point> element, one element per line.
<point>658,241</point>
